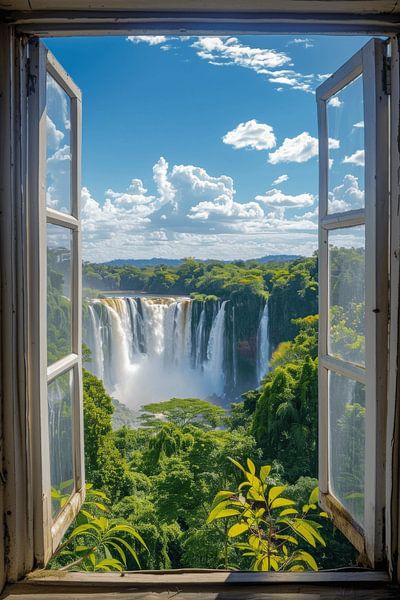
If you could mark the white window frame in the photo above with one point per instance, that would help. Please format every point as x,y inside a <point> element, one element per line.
<point>48,533</point>
<point>371,62</point>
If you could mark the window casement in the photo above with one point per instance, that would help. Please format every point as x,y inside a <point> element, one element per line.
<point>353,296</point>
<point>54,298</point>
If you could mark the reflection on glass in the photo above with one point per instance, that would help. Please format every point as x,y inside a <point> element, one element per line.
<point>59,396</point>
<point>58,147</point>
<point>347,294</point>
<point>347,443</point>
<point>345,113</point>
<point>58,292</point>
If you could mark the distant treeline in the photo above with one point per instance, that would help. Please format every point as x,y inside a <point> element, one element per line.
<point>291,285</point>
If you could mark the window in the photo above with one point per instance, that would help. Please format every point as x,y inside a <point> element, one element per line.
<point>353,307</point>
<point>54,275</point>
<point>353,276</point>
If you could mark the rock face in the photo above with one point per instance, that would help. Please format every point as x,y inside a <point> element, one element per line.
<point>205,348</point>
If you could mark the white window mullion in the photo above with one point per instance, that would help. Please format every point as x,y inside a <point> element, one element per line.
<point>323,290</point>
<point>37,302</point>
<point>376,292</point>
<point>370,373</point>
<point>55,387</point>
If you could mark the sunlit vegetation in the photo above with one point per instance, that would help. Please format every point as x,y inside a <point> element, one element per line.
<point>162,476</point>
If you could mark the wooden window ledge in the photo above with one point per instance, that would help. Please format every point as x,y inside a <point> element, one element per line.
<point>204,585</point>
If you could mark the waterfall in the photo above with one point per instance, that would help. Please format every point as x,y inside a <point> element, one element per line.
<point>214,368</point>
<point>263,345</point>
<point>234,352</point>
<point>149,349</point>
<point>96,343</point>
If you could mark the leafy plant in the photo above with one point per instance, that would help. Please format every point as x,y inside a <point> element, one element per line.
<point>271,522</point>
<point>95,542</point>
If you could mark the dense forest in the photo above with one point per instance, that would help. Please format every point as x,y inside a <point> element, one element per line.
<point>157,481</point>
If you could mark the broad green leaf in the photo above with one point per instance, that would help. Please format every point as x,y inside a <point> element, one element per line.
<point>222,494</point>
<point>251,466</point>
<point>307,558</point>
<point>107,564</point>
<point>313,499</point>
<point>237,464</point>
<point>288,511</point>
<point>237,529</point>
<point>228,512</point>
<point>279,502</point>
<point>129,548</point>
<point>254,495</point>
<point>264,472</point>
<point>275,491</point>
<point>131,531</point>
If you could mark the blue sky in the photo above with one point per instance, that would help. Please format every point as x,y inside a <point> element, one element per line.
<point>206,147</point>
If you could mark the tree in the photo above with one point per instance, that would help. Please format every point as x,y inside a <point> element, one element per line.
<point>105,466</point>
<point>182,412</point>
<point>270,522</point>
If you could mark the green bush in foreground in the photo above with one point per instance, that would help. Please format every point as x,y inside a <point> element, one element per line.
<point>273,526</point>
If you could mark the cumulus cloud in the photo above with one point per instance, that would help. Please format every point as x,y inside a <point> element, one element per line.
<point>347,195</point>
<point>335,102</point>
<point>53,135</point>
<point>276,197</point>
<point>280,179</point>
<point>191,213</point>
<point>357,158</point>
<point>251,134</point>
<point>299,149</point>
<point>231,51</point>
<point>269,63</point>
<point>152,40</point>
<point>359,125</point>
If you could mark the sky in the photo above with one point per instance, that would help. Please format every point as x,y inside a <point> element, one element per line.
<point>203,146</point>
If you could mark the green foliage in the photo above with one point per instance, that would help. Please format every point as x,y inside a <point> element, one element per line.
<point>182,412</point>
<point>104,464</point>
<point>271,523</point>
<point>95,542</point>
<point>294,294</point>
<point>285,420</point>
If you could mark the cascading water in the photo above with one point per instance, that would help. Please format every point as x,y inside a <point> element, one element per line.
<point>263,345</point>
<point>149,349</point>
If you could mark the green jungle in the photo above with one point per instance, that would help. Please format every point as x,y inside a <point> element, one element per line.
<point>206,486</point>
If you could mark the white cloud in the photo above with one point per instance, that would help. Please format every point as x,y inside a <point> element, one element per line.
<point>258,136</point>
<point>359,125</point>
<point>357,158</point>
<point>152,40</point>
<point>335,102</point>
<point>228,51</point>
<point>278,198</point>
<point>347,195</point>
<point>192,213</point>
<point>61,154</point>
<point>231,51</point>
<point>306,42</point>
<point>299,149</point>
<point>53,135</point>
<point>280,179</point>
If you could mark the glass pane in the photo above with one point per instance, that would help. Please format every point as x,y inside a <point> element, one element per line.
<point>59,247</point>
<point>58,147</point>
<point>347,443</point>
<point>346,148</point>
<point>60,395</point>
<point>347,294</point>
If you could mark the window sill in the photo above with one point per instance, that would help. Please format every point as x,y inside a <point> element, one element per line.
<point>204,585</point>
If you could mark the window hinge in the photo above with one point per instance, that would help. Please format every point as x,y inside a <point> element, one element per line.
<point>387,75</point>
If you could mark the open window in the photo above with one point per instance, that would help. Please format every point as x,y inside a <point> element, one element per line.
<point>353,275</point>
<point>54,298</point>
